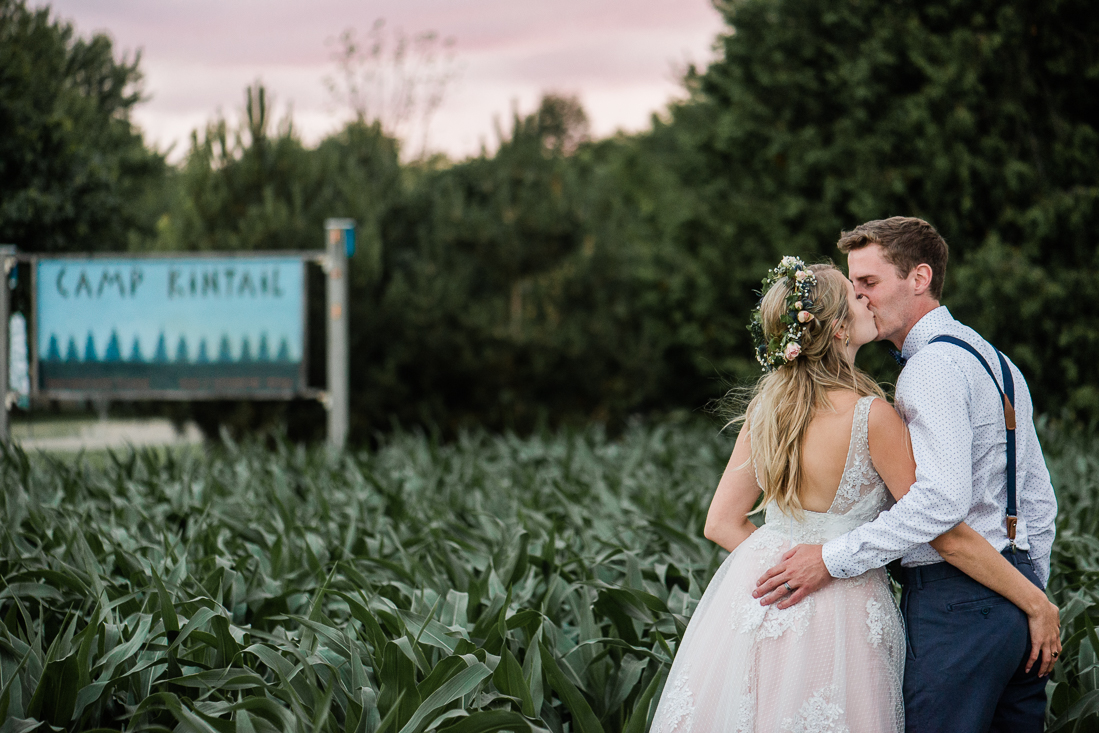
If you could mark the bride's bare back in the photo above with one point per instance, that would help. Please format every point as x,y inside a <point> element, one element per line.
<point>824,452</point>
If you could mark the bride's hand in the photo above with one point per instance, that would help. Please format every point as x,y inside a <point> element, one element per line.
<point>1045,635</point>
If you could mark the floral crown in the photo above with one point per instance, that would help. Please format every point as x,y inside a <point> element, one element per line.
<point>786,346</point>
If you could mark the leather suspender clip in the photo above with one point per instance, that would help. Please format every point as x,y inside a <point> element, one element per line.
<point>1009,413</point>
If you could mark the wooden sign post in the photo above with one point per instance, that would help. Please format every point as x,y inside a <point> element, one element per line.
<point>341,244</point>
<point>7,263</point>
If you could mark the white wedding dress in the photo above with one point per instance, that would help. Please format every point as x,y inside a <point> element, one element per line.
<point>833,662</point>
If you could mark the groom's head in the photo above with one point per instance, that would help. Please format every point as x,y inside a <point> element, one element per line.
<point>898,266</point>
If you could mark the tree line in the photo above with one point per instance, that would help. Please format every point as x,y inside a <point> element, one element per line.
<point>564,280</point>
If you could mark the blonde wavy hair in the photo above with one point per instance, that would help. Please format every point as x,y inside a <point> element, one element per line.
<point>784,401</point>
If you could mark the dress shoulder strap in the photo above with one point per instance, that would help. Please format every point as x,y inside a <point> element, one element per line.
<point>860,426</point>
<point>858,473</point>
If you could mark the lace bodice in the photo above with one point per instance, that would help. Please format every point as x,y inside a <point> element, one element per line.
<point>861,495</point>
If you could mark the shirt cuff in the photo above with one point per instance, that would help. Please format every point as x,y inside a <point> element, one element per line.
<point>834,553</point>
<point>1041,569</point>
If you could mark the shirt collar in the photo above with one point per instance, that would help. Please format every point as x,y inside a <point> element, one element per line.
<point>931,325</point>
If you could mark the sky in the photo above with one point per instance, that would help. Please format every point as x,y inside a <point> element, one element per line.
<point>622,58</point>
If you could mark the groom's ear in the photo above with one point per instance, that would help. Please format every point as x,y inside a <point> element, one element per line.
<point>921,275</point>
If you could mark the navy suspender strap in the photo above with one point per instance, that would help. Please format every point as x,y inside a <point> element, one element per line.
<point>1008,395</point>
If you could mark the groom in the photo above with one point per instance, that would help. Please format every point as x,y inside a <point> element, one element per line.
<point>968,647</point>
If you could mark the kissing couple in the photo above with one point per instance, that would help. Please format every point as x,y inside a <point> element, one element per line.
<point>798,630</point>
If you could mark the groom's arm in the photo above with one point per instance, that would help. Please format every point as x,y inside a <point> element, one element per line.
<point>935,399</point>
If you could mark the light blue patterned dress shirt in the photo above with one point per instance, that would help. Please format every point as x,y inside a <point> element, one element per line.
<point>955,416</point>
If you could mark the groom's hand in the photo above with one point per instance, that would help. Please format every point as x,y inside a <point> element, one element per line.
<point>803,568</point>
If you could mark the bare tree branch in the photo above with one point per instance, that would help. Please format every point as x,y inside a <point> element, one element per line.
<point>392,78</point>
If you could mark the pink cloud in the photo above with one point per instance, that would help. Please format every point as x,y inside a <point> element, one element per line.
<point>198,55</point>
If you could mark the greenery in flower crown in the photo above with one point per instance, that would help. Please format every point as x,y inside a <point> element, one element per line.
<point>786,346</point>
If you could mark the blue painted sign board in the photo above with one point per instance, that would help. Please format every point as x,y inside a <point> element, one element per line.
<point>183,327</point>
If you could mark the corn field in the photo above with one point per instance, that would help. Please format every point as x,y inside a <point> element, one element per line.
<point>493,583</point>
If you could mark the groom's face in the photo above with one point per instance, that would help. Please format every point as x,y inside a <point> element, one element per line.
<point>877,281</point>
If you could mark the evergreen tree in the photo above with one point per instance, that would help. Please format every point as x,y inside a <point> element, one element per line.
<point>160,356</point>
<point>981,117</point>
<point>135,352</point>
<point>74,172</point>
<point>284,351</point>
<point>182,355</point>
<point>89,348</point>
<point>225,353</point>
<point>114,351</point>
<point>53,351</point>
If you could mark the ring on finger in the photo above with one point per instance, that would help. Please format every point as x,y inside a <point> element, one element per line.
<point>787,585</point>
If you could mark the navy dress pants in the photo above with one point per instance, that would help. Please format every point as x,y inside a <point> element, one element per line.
<point>967,652</point>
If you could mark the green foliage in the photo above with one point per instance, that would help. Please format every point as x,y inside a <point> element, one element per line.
<point>492,583</point>
<point>565,280</point>
<point>1074,580</point>
<point>502,291</point>
<point>74,172</point>
<point>258,188</point>
<point>977,116</point>
<point>511,290</point>
<point>562,280</point>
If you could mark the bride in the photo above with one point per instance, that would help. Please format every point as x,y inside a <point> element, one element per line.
<point>828,453</point>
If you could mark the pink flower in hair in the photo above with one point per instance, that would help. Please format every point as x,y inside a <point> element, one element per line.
<point>792,350</point>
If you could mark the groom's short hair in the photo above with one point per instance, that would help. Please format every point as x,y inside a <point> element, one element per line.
<point>907,242</point>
